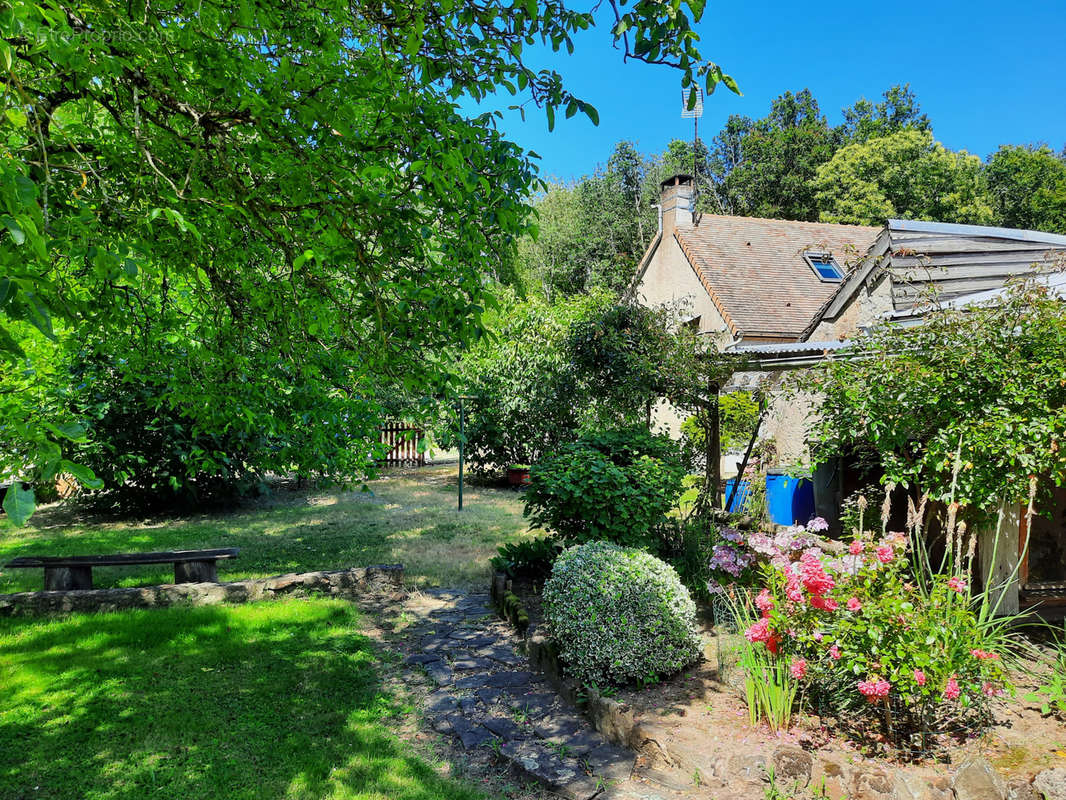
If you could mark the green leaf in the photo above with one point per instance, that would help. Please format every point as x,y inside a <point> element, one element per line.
<point>19,504</point>
<point>86,477</point>
<point>16,232</point>
<point>38,315</point>
<point>731,84</point>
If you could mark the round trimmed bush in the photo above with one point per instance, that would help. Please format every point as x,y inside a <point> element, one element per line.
<point>619,615</point>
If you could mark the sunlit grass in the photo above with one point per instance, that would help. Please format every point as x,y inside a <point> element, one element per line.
<point>410,518</point>
<point>270,700</point>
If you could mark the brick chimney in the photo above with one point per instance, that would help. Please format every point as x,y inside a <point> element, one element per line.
<point>678,203</point>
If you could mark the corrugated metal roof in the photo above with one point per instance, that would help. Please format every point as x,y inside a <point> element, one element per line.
<point>789,348</point>
<point>953,229</point>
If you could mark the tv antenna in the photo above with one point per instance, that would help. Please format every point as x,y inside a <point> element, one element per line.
<point>694,113</point>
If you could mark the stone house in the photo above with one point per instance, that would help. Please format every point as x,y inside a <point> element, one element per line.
<point>785,294</point>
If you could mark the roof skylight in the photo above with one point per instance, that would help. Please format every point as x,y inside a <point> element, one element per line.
<point>824,265</point>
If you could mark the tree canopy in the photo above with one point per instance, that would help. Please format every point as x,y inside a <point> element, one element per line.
<point>981,388</point>
<point>271,218</point>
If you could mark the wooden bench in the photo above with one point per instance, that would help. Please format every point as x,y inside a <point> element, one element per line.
<point>76,572</point>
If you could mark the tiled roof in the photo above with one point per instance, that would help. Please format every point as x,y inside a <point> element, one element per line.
<point>755,272</point>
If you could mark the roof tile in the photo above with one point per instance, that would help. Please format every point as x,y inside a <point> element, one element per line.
<point>755,271</point>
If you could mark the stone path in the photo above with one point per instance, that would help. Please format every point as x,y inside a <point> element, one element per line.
<point>486,697</point>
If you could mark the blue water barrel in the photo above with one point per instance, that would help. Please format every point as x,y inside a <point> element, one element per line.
<point>789,500</point>
<point>740,499</point>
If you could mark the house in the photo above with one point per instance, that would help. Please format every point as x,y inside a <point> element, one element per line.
<point>745,280</point>
<point>786,294</point>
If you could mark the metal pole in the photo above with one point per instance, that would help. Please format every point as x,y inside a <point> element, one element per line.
<point>462,437</point>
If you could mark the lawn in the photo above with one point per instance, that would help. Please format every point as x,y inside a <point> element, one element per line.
<point>270,700</point>
<point>408,517</point>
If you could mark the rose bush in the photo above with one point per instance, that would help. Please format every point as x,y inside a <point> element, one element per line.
<point>876,639</point>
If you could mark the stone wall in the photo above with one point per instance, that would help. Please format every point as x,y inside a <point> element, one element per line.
<point>380,579</point>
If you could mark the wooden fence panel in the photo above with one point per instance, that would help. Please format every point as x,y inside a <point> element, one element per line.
<point>402,439</point>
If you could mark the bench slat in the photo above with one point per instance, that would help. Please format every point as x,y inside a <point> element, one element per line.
<point>121,559</point>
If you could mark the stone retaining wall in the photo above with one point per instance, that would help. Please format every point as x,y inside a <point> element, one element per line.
<point>379,579</point>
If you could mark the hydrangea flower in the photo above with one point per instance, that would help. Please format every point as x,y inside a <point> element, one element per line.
<point>919,677</point>
<point>817,524</point>
<point>798,668</point>
<point>951,689</point>
<point>854,604</point>
<point>885,553</point>
<point>856,547</point>
<point>834,653</point>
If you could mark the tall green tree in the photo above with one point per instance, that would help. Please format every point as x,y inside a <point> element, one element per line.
<point>287,196</point>
<point>903,175</point>
<point>780,156</point>
<point>1027,185</point>
<point>897,110</point>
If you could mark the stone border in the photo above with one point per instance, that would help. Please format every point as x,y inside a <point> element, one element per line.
<point>354,582</point>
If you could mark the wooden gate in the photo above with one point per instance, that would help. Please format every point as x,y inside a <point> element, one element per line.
<point>402,440</point>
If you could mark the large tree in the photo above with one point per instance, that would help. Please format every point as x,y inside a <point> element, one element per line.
<point>905,174</point>
<point>780,156</point>
<point>276,209</point>
<point>1028,187</point>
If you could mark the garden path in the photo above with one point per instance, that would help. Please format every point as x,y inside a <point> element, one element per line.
<point>486,697</point>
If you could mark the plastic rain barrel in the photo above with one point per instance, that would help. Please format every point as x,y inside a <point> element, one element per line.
<point>789,500</point>
<point>740,499</point>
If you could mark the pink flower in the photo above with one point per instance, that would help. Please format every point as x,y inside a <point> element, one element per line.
<point>919,677</point>
<point>817,636</point>
<point>854,604</point>
<point>990,690</point>
<point>792,589</point>
<point>885,553</point>
<point>871,690</point>
<point>957,584</point>
<point>855,547</point>
<point>952,690</point>
<point>764,602</point>
<point>824,603</point>
<point>798,669</point>
<point>984,655</point>
<point>834,653</point>
<point>813,575</point>
<point>758,632</point>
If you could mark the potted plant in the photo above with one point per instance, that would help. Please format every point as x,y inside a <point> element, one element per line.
<point>518,475</point>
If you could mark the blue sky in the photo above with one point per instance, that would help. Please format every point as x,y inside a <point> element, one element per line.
<point>985,72</point>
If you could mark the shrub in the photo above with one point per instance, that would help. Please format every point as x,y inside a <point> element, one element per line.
<point>612,485</point>
<point>619,615</point>
<point>532,558</point>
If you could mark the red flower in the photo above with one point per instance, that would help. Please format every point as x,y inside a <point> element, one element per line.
<point>957,584</point>
<point>824,603</point>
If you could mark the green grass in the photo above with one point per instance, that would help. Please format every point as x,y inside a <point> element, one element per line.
<point>270,700</point>
<point>409,518</point>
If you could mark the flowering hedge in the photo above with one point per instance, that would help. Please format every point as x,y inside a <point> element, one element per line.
<point>873,637</point>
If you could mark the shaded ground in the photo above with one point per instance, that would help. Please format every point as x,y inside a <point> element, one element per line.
<point>409,517</point>
<point>271,700</point>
